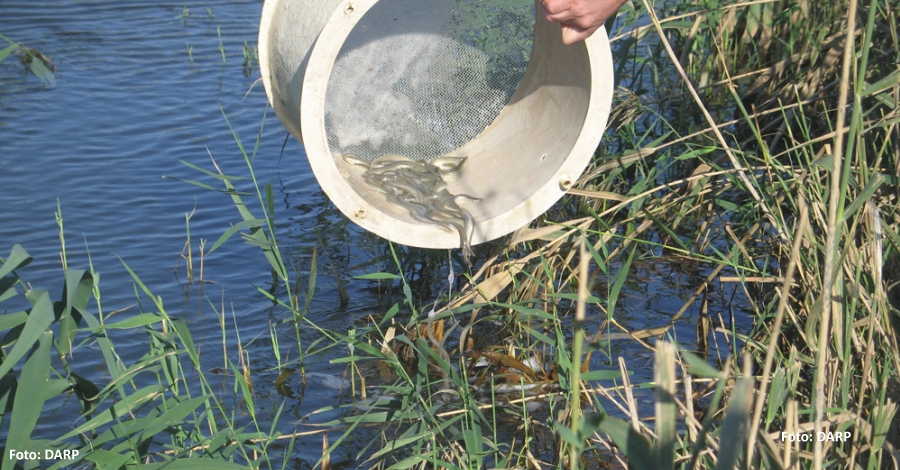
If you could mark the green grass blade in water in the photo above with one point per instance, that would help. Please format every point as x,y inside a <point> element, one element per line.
<point>27,405</point>
<point>18,258</point>
<point>39,319</point>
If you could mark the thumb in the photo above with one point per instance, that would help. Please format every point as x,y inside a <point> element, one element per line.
<point>572,34</point>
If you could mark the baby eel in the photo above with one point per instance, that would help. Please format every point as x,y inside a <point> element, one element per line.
<point>409,187</point>
<point>418,211</point>
<point>447,164</point>
<point>419,187</point>
<point>389,167</point>
<point>354,160</point>
<point>449,204</point>
<point>466,197</point>
<point>451,220</point>
<point>388,159</point>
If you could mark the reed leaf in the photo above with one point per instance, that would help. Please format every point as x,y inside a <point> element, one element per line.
<point>734,426</point>
<point>29,398</point>
<point>664,376</point>
<point>77,292</point>
<point>40,317</point>
<point>18,258</point>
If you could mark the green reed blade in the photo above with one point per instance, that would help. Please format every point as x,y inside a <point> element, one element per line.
<point>635,446</point>
<point>12,320</point>
<point>665,228</point>
<point>8,289</point>
<point>113,364</point>
<point>270,200</point>
<point>398,444</point>
<point>376,276</point>
<point>246,394</point>
<point>54,387</point>
<point>664,376</point>
<point>601,375</point>
<point>885,83</point>
<point>141,319</point>
<point>39,319</point>
<point>18,258</point>
<point>539,336</point>
<point>6,51</point>
<point>777,395</point>
<point>107,459</point>
<point>620,277</point>
<point>213,174</point>
<point>598,259</point>
<point>29,399</point>
<point>77,292</point>
<point>734,426</point>
<point>569,296</point>
<point>121,408</point>
<point>122,433</point>
<point>172,417</point>
<point>187,340</point>
<point>41,71</point>
<point>230,192</point>
<point>193,464</point>
<point>8,384</point>
<point>864,195</point>
<point>247,223</point>
<point>699,367</point>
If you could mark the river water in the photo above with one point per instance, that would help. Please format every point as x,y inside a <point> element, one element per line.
<point>141,85</point>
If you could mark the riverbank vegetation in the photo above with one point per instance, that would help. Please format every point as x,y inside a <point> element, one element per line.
<point>755,143</point>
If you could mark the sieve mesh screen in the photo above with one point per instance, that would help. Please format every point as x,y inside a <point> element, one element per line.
<point>420,78</point>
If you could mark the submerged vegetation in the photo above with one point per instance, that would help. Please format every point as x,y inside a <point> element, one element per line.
<point>757,143</point>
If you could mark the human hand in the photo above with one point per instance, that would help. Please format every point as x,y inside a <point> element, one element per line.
<point>579,18</point>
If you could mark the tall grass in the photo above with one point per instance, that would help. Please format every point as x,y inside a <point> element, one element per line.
<point>159,411</point>
<point>793,195</point>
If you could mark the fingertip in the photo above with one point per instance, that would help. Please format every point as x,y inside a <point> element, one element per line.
<point>573,34</point>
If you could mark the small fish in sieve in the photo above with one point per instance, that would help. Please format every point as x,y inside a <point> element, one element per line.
<point>419,187</point>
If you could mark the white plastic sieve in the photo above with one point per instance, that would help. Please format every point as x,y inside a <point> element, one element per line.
<point>486,79</point>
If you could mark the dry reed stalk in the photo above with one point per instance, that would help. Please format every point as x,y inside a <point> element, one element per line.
<point>799,235</point>
<point>833,237</point>
<point>629,397</point>
<point>491,286</point>
<point>875,256</point>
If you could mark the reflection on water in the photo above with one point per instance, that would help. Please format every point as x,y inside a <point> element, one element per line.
<point>142,85</point>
